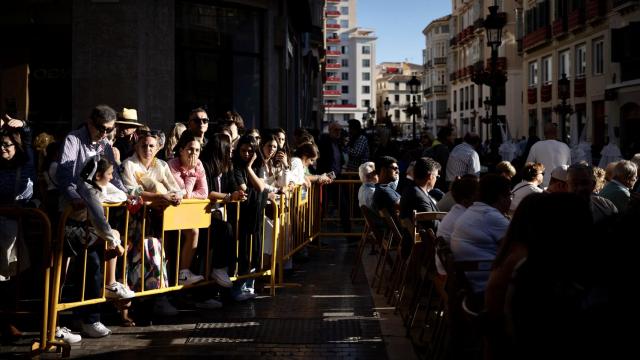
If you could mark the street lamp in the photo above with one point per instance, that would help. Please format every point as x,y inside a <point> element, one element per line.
<point>414,86</point>
<point>563,109</point>
<point>487,108</point>
<point>386,104</point>
<point>493,25</point>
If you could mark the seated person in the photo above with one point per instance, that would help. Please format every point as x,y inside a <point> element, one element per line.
<point>385,197</point>
<point>369,178</point>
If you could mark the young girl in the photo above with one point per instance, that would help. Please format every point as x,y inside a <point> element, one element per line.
<point>95,188</point>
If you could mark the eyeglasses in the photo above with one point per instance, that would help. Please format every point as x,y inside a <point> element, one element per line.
<point>7,145</point>
<point>103,129</point>
<point>201,120</point>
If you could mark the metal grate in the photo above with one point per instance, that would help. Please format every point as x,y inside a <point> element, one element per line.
<point>278,331</point>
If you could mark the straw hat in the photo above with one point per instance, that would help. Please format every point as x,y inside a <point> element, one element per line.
<point>128,117</point>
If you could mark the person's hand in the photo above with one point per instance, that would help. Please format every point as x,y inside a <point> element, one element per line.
<point>272,196</point>
<point>78,204</point>
<point>119,250</point>
<point>11,122</point>
<point>253,158</point>
<point>281,157</point>
<point>238,195</point>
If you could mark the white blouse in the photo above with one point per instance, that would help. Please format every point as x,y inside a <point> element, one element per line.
<point>157,178</point>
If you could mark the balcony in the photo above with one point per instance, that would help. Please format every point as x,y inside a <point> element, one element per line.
<point>331,93</point>
<point>453,76</point>
<point>333,40</point>
<point>333,53</point>
<point>479,23</point>
<point>439,89</point>
<point>340,106</point>
<point>545,93</point>
<point>333,26</point>
<point>332,13</point>
<point>596,9</point>
<point>580,87</point>
<point>532,95</point>
<point>333,66</point>
<point>428,64</point>
<point>427,91</point>
<point>537,38</point>
<point>453,41</point>
<point>333,1</point>
<point>501,64</point>
<point>575,20</point>
<point>333,79</point>
<point>559,27</point>
<point>440,61</point>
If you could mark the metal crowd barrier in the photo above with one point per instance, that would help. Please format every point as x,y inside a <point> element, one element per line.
<point>26,214</point>
<point>340,198</point>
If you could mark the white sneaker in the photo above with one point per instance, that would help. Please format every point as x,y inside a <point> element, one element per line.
<point>64,334</point>
<point>221,277</point>
<point>118,291</point>
<point>186,277</point>
<point>209,304</point>
<point>163,307</point>
<point>244,295</point>
<point>95,330</point>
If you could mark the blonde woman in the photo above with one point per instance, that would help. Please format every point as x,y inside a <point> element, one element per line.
<point>172,140</point>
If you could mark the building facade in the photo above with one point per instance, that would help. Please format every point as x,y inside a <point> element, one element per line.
<point>166,57</point>
<point>470,57</point>
<point>392,85</point>
<point>593,43</point>
<point>349,89</point>
<point>435,82</point>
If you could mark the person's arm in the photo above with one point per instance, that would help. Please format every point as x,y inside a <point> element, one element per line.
<point>174,169</point>
<point>117,178</point>
<point>65,172</point>
<point>200,188</point>
<point>96,213</point>
<point>475,163</point>
<point>253,178</point>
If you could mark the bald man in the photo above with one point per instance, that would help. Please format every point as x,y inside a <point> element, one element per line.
<point>550,152</point>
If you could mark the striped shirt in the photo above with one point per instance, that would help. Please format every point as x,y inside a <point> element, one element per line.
<point>462,160</point>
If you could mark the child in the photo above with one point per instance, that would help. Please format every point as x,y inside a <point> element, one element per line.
<point>95,188</point>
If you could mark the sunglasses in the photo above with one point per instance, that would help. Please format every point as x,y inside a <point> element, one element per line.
<point>103,129</point>
<point>201,121</point>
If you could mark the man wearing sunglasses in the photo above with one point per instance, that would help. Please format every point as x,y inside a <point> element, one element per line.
<point>199,124</point>
<point>79,145</point>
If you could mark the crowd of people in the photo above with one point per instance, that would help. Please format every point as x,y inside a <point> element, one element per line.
<point>504,216</point>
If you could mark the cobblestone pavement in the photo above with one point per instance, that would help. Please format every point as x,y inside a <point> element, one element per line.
<point>328,317</point>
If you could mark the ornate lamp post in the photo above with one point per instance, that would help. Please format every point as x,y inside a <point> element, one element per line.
<point>563,109</point>
<point>414,86</point>
<point>493,25</point>
<point>386,104</point>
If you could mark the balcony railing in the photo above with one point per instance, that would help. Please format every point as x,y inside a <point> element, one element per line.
<point>537,37</point>
<point>333,26</point>
<point>545,93</point>
<point>334,66</point>
<point>339,105</point>
<point>575,20</point>
<point>440,89</point>
<point>596,9</point>
<point>428,64</point>
<point>333,40</point>
<point>332,93</point>
<point>331,13</point>
<point>440,61</point>
<point>333,53</point>
<point>560,27</point>
<point>579,87</point>
<point>532,95</point>
<point>333,79</point>
<point>427,91</point>
<point>333,1</point>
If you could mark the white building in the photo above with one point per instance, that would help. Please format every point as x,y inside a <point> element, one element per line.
<point>349,89</point>
<point>392,85</point>
<point>435,82</point>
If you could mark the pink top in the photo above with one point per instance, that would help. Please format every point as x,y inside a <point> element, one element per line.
<point>193,181</point>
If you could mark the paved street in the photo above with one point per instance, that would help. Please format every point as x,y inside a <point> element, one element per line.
<point>328,317</point>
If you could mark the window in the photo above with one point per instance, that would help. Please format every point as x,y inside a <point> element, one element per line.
<point>344,10</point>
<point>366,50</point>
<point>396,86</point>
<point>466,98</point>
<point>598,56</point>
<point>418,96</point>
<point>533,74</point>
<point>581,60</point>
<point>345,76</point>
<point>346,117</point>
<point>345,89</point>
<point>396,114</point>
<point>344,49</point>
<point>366,103</point>
<point>546,70</point>
<point>366,76</point>
<point>344,101</point>
<point>564,64</point>
<point>408,98</point>
<point>455,100</point>
<point>472,96</point>
<point>366,63</point>
<point>366,89</point>
<point>344,24</point>
<point>396,98</point>
<point>344,62</point>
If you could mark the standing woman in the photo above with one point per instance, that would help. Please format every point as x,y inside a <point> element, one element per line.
<point>17,176</point>
<point>189,174</point>
<point>216,159</point>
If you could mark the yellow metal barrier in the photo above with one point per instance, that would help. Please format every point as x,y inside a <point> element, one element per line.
<point>347,194</point>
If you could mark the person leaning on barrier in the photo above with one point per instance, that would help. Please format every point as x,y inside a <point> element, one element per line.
<point>216,160</point>
<point>79,145</point>
<point>17,178</point>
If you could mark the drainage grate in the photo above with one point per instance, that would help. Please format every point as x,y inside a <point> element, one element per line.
<point>278,331</point>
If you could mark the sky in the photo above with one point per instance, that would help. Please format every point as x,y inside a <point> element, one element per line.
<point>398,25</point>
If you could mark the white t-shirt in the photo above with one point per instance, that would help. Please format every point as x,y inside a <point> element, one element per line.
<point>521,191</point>
<point>551,154</point>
